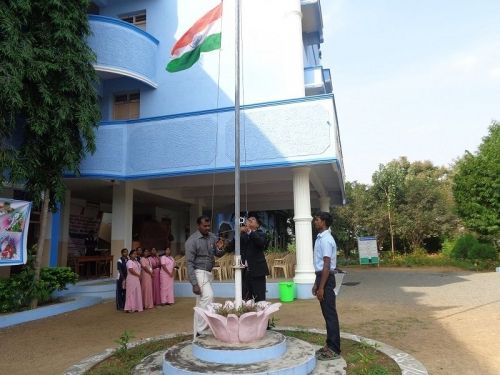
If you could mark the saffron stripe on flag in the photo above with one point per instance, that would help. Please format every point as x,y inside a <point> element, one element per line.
<point>198,26</point>
<point>213,28</point>
<point>188,59</point>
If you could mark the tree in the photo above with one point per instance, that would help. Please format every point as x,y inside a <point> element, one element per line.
<point>388,187</point>
<point>412,202</point>
<point>427,207</point>
<point>476,186</point>
<point>351,221</point>
<point>49,107</point>
<point>407,204</point>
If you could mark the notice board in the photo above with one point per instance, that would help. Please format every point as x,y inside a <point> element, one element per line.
<point>368,251</point>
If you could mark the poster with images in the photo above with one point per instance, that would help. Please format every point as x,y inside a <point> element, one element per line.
<point>14,223</point>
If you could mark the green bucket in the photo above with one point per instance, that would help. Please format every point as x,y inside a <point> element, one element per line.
<point>287,291</point>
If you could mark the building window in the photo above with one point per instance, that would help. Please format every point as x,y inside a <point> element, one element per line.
<point>126,106</point>
<point>138,19</point>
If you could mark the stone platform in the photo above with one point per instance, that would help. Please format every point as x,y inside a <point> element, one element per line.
<point>280,355</point>
<point>153,364</point>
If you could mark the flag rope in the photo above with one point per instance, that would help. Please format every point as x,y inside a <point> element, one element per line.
<point>217,122</point>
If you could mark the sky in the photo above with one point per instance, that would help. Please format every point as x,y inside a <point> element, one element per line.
<point>415,78</point>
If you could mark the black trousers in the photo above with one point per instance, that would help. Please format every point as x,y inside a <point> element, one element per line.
<point>120,295</point>
<point>329,311</point>
<point>254,287</point>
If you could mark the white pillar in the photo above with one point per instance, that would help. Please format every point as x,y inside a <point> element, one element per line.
<point>324,204</point>
<point>195,211</point>
<point>304,271</point>
<point>121,220</point>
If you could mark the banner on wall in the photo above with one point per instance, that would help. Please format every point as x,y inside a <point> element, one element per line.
<point>14,223</point>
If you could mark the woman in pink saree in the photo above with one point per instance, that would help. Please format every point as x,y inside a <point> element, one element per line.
<point>167,278</point>
<point>155,264</point>
<point>147,281</point>
<point>133,299</point>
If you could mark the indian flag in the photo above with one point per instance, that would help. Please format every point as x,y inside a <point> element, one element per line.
<point>203,36</point>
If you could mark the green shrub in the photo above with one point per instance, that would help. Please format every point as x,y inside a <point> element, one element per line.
<point>447,247</point>
<point>482,251</point>
<point>463,245</point>
<point>52,279</point>
<point>419,258</point>
<point>17,291</point>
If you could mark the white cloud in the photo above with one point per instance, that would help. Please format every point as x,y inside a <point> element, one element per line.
<point>465,63</point>
<point>495,73</point>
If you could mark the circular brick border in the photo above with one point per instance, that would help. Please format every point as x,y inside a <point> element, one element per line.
<point>408,364</point>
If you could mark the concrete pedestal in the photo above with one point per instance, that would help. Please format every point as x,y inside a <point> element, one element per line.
<point>294,357</point>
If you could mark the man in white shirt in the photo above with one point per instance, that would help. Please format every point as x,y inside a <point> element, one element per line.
<point>325,262</point>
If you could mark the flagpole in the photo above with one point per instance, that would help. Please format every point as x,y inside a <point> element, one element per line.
<point>237,248</point>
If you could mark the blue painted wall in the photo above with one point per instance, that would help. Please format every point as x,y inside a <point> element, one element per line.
<point>273,135</point>
<point>55,237</point>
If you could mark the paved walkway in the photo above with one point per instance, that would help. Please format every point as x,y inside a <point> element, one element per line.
<point>448,320</point>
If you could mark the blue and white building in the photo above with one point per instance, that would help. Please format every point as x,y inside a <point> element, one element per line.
<point>166,141</point>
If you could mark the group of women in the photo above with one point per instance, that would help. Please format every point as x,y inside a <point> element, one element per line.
<point>145,279</point>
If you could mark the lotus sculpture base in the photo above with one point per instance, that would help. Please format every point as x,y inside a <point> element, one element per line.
<point>248,327</point>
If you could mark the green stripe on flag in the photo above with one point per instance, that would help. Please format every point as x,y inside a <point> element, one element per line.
<point>188,59</point>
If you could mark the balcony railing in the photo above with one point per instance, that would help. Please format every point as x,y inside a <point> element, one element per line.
<point>123,50</point>
<point>275,134</point>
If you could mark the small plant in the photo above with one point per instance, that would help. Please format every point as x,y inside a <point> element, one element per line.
<point>366,357</point>
<point>123,342</point>
<point>367,346</point>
